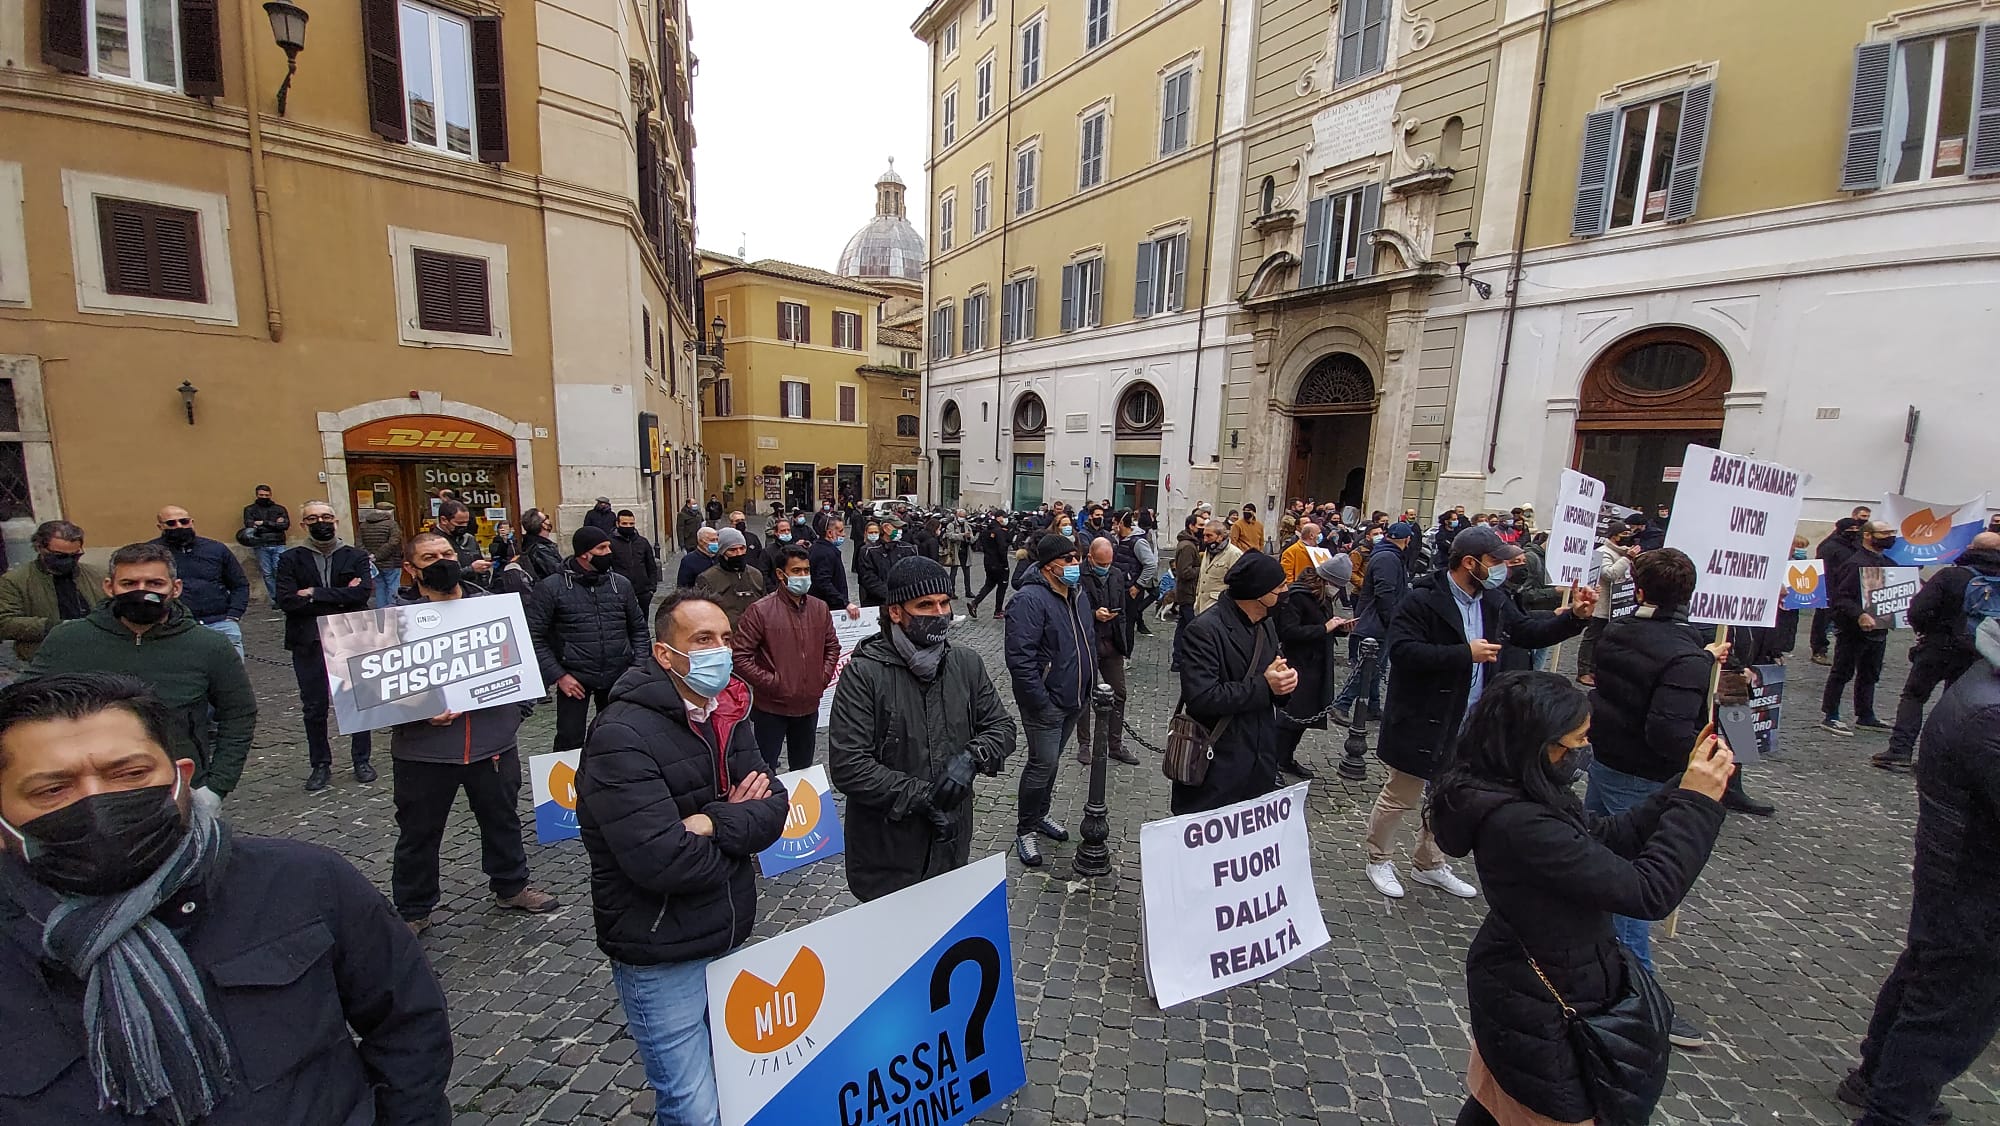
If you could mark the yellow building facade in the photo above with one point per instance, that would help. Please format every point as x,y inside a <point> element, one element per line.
<point>397,284</point>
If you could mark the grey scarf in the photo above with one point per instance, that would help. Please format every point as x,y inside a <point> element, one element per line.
<point>922,661</point>
<point>153,1046</point>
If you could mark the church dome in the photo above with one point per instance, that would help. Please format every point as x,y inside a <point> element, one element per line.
<point>888,247</point>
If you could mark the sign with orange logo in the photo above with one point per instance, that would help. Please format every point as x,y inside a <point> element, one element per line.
<point>812,828</point>
<point>897,1012</point>
<point>1805,584</point>
<point>1931,535</point>
<point>428,434</point>
<point>552,780</point>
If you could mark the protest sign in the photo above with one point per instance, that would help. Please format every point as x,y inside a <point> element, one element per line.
<point>899,1012</point>
<point>1930,535</point>
<point>1624,596</point>
<point>1573,534</point>
<point>552,781</point>
<point>1229,895</point>
<point>418,660</point>
<point>1805,585</point>
<point>1735,516</point>
<point>849,632</point>
<point>1886,593</point>
<point>812,828</point>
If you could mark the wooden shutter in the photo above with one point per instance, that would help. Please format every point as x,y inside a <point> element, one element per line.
<point>1069,297</point>
<point>1008,296</point>
<point>489,90</point>
<point>1312,254</point>
<point>848,412</point>
<point>201,49</point>
<point>1027,323</point>
<point>1369,220</point>
<point>151,251</point>
<point>1177,285</point>
<point>1867,113</point>
<point>382,51</point>
<point>1092,295</point>
<point>1593,175</point>
<point>66,35</point>
<point>649,176</point>
<point>805,399</point>
<point>451,293</point>
<point>1374,36</point>
<point>1142,294</point>
<point>1353,20</point>
<point>1684,186</point>
<point>1985,157</point>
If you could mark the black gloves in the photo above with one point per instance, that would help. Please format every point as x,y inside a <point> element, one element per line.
<point>953,784</point>
<point>943,826</point>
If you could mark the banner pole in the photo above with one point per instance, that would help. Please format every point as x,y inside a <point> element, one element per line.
<point>1672,924</point>
<point>1556,652</point>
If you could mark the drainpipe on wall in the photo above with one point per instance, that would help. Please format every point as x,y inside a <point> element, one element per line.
<point>1520,238</point>
<point>1208,251</point>
<point>260,193</point>
<point>1004,203</point>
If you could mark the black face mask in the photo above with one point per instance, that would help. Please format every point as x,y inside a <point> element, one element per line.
<point>442,576</point>
<point>106,843</point>
<point>740,525</point>
<point>1215,548</point>
<point>177,538</point>
<point>733,562</point>
<point>926,630</point>
<point>627,533</point>
<point>140,607</point>
<point>1568,770</point>
<point>263,502</point>
<point>320,532</point>
<point>60,563</point>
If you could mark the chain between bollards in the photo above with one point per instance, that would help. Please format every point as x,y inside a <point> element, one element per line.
<point>1354,761</point>
<point>1093,856</point>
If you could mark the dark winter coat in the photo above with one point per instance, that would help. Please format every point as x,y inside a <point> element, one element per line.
<point>1220,679</point>
<point>586,624</point>
<point>380,536</point>
<point>1383,587</point>
<point>1188,556</point>
<point>1843,587</point>
<point>211,711</point>
<point>539,557</point>
<point>633,557</point>
<point>996,546</point>
<point>1938,612</point>
<point>299,569</point>
<point>331,1012</point>
<point>1958,808</point>
<point>30,606</point>
<point>661,893</point>
<point>212,584</point>
<point>735,590</point>
<point>692,565</point>
<point>1300,619</point>
<point>687,527</point>
<point>475,736</point>
<point>889,737</point>
<point>1653,536</point>
<point>602,516</point>
<point>1051,649</point>
<point>1651,698</point>
<point>829,574</point>
<point>873,571</point>
<point>276,522</point>
<point>786,648</point>
<point>1552,880</point>
<point>1430,668</point>
<point>1114,638</point>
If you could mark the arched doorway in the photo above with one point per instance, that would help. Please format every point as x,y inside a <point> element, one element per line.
<point>1135,459</point>
<point>1031,428</point>
<point>1331,417</point>
<point>1644,401</point>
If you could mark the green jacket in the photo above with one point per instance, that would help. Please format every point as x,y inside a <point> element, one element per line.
<point>194,670</point>
<point>28,603</point>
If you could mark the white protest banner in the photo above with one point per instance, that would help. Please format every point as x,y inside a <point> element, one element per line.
<point>1929,535</point>
<point>1573,534</point>
<point>812,828</point>
<point>552,781</point>
<point>418,660</point>
<point>1229,895</point>
<point>849,632</point>
<point>899,1012</point>
<point>1886,593</point>
<point>1734,516</point>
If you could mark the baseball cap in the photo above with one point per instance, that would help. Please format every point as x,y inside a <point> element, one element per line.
<point>1482,540</point>
<point>1401,531</point>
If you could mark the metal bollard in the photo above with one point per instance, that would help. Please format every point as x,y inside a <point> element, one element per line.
<point>1093,856</point>
<point>1354,762</point>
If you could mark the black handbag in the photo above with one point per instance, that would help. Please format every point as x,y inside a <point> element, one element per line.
<point>1190,745</point>
<point>1621,1051</point>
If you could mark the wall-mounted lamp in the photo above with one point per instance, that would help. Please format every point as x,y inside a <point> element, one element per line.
<point>1233,434</point>
<point>288,27</point>
<point>188,392</point>
<point>1462,250</point>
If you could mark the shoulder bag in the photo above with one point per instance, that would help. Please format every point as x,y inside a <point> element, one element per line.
<point>1622,1051</point>
<point>1190,745</point>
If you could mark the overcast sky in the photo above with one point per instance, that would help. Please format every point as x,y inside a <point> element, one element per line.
<point>797,109</point>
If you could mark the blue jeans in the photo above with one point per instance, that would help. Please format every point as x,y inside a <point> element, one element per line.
<point>1046,735</point>
<point>666,1010</point>
<point>1610,793</point>
<point>267,562</point>
<point>387,583</point>
<point>231,629</point>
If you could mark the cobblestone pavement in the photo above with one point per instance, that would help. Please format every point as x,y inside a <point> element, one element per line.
<point>1780,949</point>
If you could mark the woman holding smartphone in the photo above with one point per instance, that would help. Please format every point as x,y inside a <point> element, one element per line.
<point>1554,876</point>
<point>1309,616</point>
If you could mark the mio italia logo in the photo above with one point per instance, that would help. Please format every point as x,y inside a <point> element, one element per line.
<point>404,438</point>
<point>1802,580</point>
<point>812,824</point>
<point>769,1021</point>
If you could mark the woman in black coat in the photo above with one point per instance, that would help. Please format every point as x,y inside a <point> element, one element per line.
<point>1553,877</point>
<point>1307,617</point>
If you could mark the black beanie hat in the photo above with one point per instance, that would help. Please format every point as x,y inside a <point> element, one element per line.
<point>587,537</point>
<point>1052,547</point>
<point>1254,576</point>
<point>917,577</point>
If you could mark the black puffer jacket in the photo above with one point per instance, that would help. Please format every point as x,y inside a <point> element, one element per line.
<point>539,557</point>
<point>1958,802</point>
<point>1222,675</point>
<point>1651,699</point>
<point>1553,878</point>
<point>871,571</point>
<point>662,893</point>
<point>1938,611</point>
<point>587,624</point>
<point>890,735</point>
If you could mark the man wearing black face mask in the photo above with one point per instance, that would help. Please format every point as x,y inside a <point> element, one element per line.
<point>317,579</point>
<point>454,523</point>
<point>265,523</point>
<point>601,516</point>
<point>55,586</point>
<point>213,586</point>
<point>435,758</point>
<point>587,630</point>
<point>168,969</point>
<point>914,719</point>
<point>146,630</point>
<point>632,556</point>
<point>1859,641</point>
<point>732,582</point>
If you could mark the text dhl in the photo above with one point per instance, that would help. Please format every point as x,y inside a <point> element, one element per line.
<point>401,438</point>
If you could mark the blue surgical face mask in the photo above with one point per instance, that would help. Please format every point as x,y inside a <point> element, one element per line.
<point>712,547</point>
<point>708,670</point>
<point>1100,572</point>
<point>1068,530</point>
<point>1496,576</point>
<point>836,541</point>
<point>784,537</point>
<point>1798,553</point>
<point>873,536</point>
<point>798,584</point>
<point>1072,574</point>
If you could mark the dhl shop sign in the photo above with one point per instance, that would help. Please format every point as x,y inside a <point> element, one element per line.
<point>898,1012</point>
<point>411,436</point>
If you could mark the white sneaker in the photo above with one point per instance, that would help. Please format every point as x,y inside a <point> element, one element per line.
<point>1441,878</point>
<point>1383,876</point>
